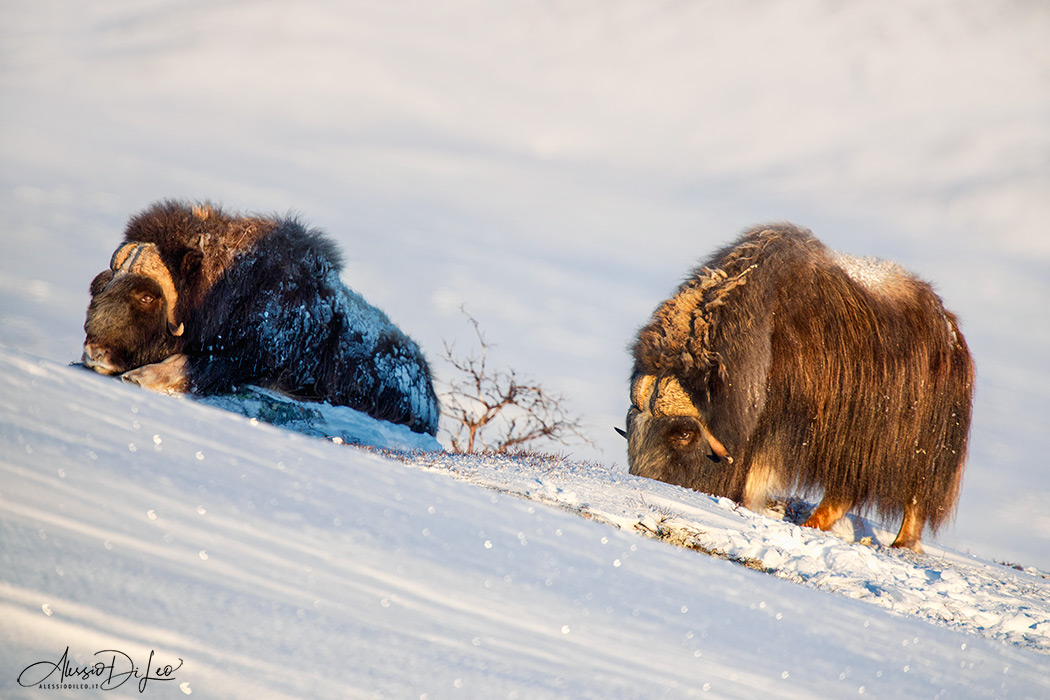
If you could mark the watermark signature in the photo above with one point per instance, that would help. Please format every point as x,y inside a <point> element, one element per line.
<point>112,670</point>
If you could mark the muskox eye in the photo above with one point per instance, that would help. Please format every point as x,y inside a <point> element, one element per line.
<point>683,437</point>
<point>146,299</point>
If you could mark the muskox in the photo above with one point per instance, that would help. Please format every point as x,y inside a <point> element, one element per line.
<point>781,365</point>
<point>200,300</point>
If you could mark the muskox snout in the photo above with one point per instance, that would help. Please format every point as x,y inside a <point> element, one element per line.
<point>98,358</point>
<point>679,450</point>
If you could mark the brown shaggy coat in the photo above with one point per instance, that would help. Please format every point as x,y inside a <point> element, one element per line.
<point>781,364</point>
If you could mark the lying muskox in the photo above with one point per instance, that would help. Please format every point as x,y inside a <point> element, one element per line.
<point>781,364</point>
<point>200,300</point>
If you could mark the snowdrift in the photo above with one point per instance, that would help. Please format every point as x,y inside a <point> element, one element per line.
<point>257,562</point>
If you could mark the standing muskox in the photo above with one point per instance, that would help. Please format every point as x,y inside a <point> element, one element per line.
<point>199,300</point>
<point>781,364</point>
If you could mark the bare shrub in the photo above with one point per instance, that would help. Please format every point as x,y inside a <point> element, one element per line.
<point>491,410</point>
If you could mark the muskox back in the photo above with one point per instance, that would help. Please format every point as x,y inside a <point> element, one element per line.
<point>260,301</point>
<point>781,365</point>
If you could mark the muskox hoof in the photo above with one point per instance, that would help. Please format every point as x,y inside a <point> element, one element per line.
<point>825,515</point>
<point>168,376</point>
<point>913,546</point>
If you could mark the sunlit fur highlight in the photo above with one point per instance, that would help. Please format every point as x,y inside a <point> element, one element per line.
<point>261,302</point>
<point>817,375</point>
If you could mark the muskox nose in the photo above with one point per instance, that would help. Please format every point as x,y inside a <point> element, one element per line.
<point>97,358</point>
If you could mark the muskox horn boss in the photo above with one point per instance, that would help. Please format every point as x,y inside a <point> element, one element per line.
<point>144,259</point>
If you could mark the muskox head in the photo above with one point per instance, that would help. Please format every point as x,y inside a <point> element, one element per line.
<point>131,317</point>
<point>668,438</point>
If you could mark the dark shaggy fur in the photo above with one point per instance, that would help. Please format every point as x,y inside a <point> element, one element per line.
<point>261,302</point>
<point>803,369</point>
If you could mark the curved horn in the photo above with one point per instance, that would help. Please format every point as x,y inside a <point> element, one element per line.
<point>144,259</point>
<point>642,391</point>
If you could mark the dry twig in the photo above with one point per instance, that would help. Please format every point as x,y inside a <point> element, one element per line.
<point>497,411</point>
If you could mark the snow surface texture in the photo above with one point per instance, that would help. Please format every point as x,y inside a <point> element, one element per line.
<point>338,423</point>
<point>940,586</point>
<point>268,564</point>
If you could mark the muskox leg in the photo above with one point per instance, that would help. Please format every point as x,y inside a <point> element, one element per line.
<point>830,510</point>
<point>911,528</point>
<point>169,375</point>
<point>761,480</point>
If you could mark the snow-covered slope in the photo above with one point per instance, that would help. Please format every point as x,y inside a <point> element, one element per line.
<point>264,563</point>
<point>942,586</point>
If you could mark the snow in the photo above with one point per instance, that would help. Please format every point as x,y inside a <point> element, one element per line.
<point>337,423</point>
<point>556,167</point>
<point>276,564</point>
<point>873,273</point>
<point>943,586</point>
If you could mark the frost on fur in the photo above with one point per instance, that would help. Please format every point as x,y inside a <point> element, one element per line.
<point>250,300</point>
